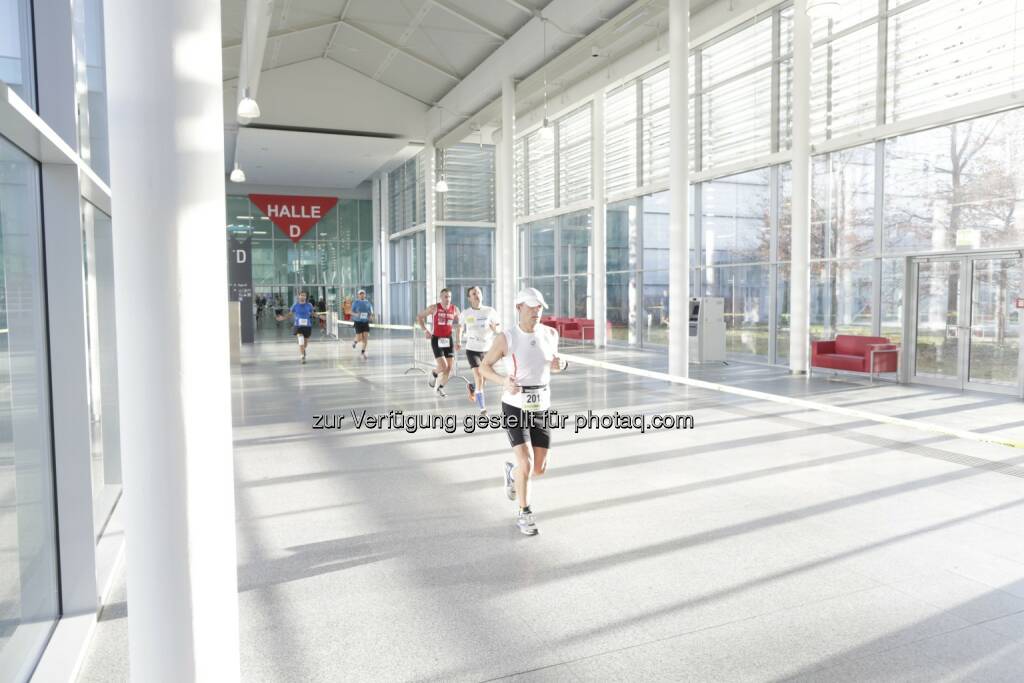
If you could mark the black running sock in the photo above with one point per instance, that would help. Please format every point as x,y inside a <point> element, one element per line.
<point>433,373</point>
<point>526,510</point>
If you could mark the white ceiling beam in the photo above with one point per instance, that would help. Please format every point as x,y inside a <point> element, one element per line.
<point>291,31</point>
<point>363,31</point>
<point>334,33</point>
<point>520,6</point>
<point>440,4</point>
<point>400,49</point>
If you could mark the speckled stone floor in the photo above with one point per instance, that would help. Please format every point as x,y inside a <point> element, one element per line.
<point>766,544</point>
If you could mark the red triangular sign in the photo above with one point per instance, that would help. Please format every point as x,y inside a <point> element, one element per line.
<point>294,216</point>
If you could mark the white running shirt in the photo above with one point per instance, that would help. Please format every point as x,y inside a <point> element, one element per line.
<point>531,355</point>
<point>477,323</point>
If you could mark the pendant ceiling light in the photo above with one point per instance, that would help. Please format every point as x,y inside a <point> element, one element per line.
<point>237,174</point>
<point>547,132</point>
<point>248,108</point>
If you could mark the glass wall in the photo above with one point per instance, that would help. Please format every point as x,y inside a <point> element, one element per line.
<point>553,165</point>
<point>406,200</point>
<point>332,261</point>
<point>556,257</point>
<point>469,262</point>
<point>469,171</point>
<point>17,68</point>
<point>30,601</point>
<point>407,296</point>
<point>92,92</point>
<point>98,271</point>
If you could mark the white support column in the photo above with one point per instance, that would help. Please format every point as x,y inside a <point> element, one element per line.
<point>167,164</point>
<point>506,203</point>
<point>800,284</point>
<point>679,236</point>
<point>383,214</point>
<point>430,177</point>
<point>379,254</point>
<point>600,261</point>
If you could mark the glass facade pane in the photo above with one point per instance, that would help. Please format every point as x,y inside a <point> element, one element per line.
<point>29,576</point>
<point>469,171</point>
<point>736,120</point>
<point>849,202</point>
<point>944,53</point>
<point>844,72</point>
<point>736,218</point>
<point>93,96</point>
<point>574,156</point>
<point>656,226</point>
<point>655,128</point>
<point>955,186</point>
<point>469,253</point>
<point>540,165</point>
<point>995,321</point>
<point>745,290</point>
<point>893,278</point>
<point>17,65</point>
<point>620,147</point>
<point>851,297</point>
<point>542,248</point>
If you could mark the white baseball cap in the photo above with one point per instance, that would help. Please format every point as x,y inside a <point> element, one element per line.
<point>531,297</point>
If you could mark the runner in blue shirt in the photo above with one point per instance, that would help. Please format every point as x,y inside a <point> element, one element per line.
<point>303,314</point>
<point>362,313</point>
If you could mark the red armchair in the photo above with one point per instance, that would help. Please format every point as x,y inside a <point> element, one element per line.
<point>854,353</point>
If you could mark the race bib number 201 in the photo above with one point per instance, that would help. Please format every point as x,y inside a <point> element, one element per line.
<point>536,399</point>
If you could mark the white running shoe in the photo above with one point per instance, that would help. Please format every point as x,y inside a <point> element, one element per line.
<point>433,380</point>
<point>440,392</point>
<point>524,520</point>
<point>510,482</point>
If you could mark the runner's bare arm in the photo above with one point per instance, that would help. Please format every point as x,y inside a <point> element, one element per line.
<point>497,352</point>
<point>421,319</point>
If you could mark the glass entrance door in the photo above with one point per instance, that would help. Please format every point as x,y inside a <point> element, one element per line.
<point>937,330</point>
<point>964,326</point>
<point>995,349</point>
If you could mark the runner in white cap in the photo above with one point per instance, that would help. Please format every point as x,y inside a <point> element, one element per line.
<point>533,349</point>
<point>481,324</point>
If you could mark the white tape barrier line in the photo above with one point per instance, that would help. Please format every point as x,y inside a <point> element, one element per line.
<point>381,326</point>
<point>799,402</point>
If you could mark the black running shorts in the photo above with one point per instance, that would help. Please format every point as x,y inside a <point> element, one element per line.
<point>475,358</point>
<point>447,352</point>
<point>362,327</point>
<point>539,435</point>
<point>304,331</point>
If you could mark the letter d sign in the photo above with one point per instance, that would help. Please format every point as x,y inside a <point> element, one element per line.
<point>294,231</point>
<point>240,256</point>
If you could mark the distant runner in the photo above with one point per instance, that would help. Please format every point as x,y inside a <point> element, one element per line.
<point>481,324</point>
<point>445,316</point>
<point>362,314</point>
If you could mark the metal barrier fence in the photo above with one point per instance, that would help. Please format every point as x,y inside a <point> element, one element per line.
<point>419,358</point>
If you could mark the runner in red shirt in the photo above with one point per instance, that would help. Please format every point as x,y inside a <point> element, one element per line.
<point>445,317</point>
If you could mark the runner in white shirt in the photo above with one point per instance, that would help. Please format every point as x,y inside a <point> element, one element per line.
<point>480,324</point>
<point>533,350</point>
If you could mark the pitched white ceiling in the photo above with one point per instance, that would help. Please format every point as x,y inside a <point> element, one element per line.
<point>421,48</point>
<point>412,69</point>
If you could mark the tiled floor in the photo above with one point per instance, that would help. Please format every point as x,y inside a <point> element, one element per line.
<point>766,544</point>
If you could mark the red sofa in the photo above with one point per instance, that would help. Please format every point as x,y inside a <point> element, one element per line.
<point>573,328</point>
<point>853,354</point>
